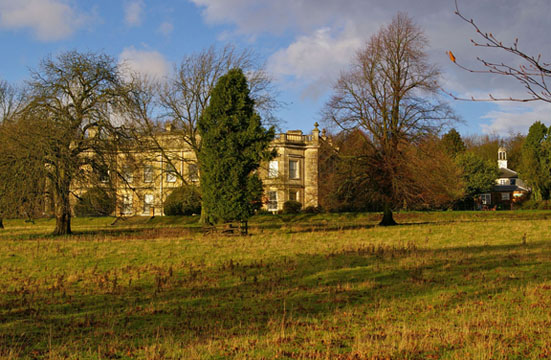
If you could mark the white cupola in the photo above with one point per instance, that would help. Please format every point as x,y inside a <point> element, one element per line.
<point>502,158</point>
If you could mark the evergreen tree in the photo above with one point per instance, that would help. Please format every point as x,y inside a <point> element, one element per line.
<point>479,175</point>
<point>453,143</point>
<point>536,163</point>
<point>233,143</point>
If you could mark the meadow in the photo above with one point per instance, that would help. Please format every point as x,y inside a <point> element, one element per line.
<point>448,285</point>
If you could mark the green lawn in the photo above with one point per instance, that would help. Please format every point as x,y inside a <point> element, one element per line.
<point>452,285</point>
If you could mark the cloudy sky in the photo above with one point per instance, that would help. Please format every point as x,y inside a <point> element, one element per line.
<point>304,43</point>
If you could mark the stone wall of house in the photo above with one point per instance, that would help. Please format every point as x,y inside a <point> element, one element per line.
<point>296,177</point>
<point>148,181</point>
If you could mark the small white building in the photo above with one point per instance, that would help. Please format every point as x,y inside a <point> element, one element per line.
<point>509,188</point>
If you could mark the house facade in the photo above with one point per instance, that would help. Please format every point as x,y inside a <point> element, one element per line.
<point>146,180</point>
<point>509,188</point>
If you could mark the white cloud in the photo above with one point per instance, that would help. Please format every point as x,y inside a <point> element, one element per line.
<point>315,60</point>
<point>268,16</point>
<point>515,117</point>
<point>147,63</point>
<point>166,28</point>
<point>323,34</point>
<point>133,12</point>
<point>49,20</point>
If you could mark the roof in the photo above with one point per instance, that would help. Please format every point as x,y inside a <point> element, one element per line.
<point>507,173</point>
<point>508,188</point>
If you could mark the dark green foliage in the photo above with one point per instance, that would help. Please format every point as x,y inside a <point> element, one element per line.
<point>255,190</point>
<point>184,200</point>
<point>292,207</point>
<point>233,143</point>
<point>453,144</point>
<point>264,212</point>
<point>479,175</point>
<point>532,204</point>
<point>95,202</point>
<point>312,210</point>
<point>536,162</point>
<point>514,144</point>
<point>485,146</point>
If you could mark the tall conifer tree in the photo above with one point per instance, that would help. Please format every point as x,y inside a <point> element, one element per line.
<point>536,163</point>
<point>453,143</point>
<point>233,143</point>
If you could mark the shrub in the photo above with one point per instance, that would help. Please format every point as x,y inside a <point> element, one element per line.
<point>312,210</point>
<point>532,204</point>
<point>184,200</point>
<point>95,202</point>
<point>291,207</point>
<point>263,212</point>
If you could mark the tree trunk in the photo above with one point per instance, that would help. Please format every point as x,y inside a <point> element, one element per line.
<point>1,223</point>
<point>244,227</point>
<point>63,224</point>
<point>62,215</point>
<point>204,219</point>
<point>388,219</point>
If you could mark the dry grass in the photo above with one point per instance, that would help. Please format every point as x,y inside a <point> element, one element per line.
<point>447,289</point>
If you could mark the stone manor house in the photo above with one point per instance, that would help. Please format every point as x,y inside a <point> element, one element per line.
<point>291,175</point>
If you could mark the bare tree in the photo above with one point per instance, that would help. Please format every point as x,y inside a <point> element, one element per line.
<point>181,102</point>
<point>11,103</point>
<point>532,72</point>
<point>22,172</point>
<point>430,178</point>
<point>390,93</point>
<point>74,99</point>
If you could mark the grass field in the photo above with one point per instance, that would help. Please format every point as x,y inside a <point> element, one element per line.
<point>444,285</point>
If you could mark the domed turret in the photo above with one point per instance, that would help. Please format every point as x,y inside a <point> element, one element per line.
<point>502,158</point>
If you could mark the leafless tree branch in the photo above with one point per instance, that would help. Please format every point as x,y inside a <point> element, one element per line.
<point>532,73</point>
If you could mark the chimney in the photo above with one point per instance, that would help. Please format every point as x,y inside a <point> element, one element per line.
<point>316,133</point>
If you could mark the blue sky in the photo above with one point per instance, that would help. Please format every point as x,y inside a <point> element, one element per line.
<point>305,43</point>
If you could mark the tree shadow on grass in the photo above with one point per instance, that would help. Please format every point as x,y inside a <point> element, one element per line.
<point>198,304</point>
<point>138,233</point>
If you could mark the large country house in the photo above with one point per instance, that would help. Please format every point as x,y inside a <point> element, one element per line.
<point>151,176</point>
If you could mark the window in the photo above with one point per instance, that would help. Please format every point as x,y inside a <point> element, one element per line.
<point>293,195</point>
<point>127,174</point>
<point>505,196</point>
<point>193,173</point>
<point>170,177</point>
<point>513,181</point>
<point>148,173</point>
<point>126,204</point>
<point>503,181</point>
<point>486,199</point>
<point>104,176</point>
<point>273,169</point>
<point>272,200</point>
<point>148,204</point>
<point>170,173</point>
<point>293,169</point>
